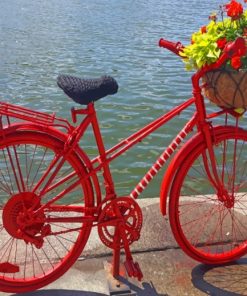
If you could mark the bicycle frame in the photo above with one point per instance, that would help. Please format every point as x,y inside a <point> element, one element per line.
<point>108,156</point>
<point>101,162</point>
<point>105,157</point>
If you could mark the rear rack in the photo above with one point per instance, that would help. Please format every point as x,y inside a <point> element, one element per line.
<point>14,111</point>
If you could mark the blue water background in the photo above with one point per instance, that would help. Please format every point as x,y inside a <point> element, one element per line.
<point>88,38</point>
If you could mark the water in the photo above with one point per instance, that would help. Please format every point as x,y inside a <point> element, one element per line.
<point>88,38</point>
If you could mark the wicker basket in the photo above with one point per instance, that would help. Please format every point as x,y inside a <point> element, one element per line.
<point>226,88</point>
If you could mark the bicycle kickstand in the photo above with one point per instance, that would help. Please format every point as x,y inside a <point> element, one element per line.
<point>133,269</point>
<point>116,255</point>
<point>116,272</point>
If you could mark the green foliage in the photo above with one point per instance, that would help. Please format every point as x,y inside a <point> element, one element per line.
<point>204,48</point>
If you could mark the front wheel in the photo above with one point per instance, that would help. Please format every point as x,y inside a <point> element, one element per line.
<point>38,243</point>
<point>211,227</point>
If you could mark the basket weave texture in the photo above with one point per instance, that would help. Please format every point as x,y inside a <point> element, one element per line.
<point>226,88</point>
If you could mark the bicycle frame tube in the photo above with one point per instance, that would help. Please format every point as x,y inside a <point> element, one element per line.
<point>101,162</point>
<point>137,137</point>
<point>161,161</point>
<point>106,157</point>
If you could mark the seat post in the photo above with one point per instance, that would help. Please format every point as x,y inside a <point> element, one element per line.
<point>109,185</point>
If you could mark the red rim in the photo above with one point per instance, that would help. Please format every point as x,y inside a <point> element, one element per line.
<point>44,249</point>
<point>207,228</point>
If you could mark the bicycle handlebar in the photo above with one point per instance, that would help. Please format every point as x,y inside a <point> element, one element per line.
<point>232,49</point>
<point>172,46</point>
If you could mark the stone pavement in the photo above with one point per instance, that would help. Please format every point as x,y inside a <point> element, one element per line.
<point>167,270</point>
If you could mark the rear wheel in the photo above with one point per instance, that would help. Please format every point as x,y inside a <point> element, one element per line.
<point>208,224</point>
<point>40,241</point>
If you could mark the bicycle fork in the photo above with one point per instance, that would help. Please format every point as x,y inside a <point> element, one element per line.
<point>210,163</point>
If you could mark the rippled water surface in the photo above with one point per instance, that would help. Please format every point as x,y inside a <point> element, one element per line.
<point>88,38</point>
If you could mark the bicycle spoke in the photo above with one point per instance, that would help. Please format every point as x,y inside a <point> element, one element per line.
<point>65,238</point>
<point>39,262</point>
<point>62,244</point>
<point>37,168</point>
<point>52,169</point>
<point>65,177</point>
<point>6,166</point>
<point>15,166</point>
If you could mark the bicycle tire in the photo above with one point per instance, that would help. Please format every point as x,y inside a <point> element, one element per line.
<point>24,157</point>
<point>207,228</point>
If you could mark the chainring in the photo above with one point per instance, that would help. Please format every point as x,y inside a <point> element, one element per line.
<point>131,215</point>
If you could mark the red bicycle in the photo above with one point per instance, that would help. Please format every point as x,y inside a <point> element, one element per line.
<point>51,195</point>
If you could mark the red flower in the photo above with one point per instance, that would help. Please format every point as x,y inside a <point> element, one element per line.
<point>222,42</point>
<point>236,62</point>
<point>242,49</point>
<point>204,29</point>
<point>234,9</point>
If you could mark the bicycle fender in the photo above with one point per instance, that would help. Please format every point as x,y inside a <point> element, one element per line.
<point>49,129</point>
<point>33,127</point>
<point>59,135</point>
<point>177,161</point>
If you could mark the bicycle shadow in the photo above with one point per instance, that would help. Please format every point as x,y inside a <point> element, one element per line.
<point>59,292</point>
<point>224,280</point>
<point>147,289</point>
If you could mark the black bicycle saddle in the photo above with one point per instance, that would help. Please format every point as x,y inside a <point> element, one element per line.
<point>85,91</point>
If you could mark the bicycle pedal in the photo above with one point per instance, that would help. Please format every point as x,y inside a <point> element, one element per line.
<point>133,269</point>
<point>7,267</point>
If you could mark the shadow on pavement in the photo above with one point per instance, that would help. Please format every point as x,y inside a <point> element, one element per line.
<point>147,289</point>
<point>59,292</point>
<point>228,279</point>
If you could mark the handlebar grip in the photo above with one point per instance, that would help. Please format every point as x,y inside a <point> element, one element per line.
<point>172,46</point>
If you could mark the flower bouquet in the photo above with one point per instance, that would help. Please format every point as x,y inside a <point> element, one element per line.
<point>227,86</point>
